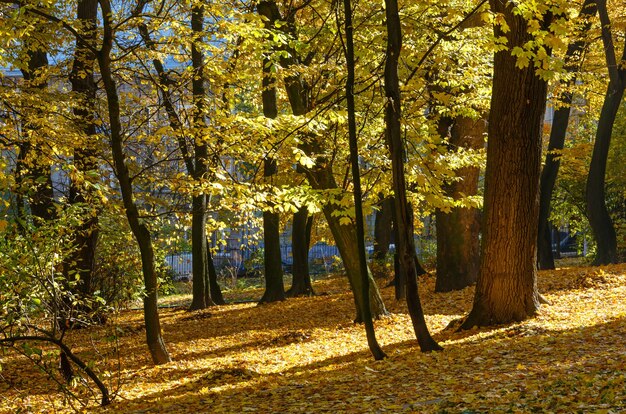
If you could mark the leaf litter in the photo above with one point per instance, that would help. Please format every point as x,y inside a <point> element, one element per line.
<point>306,355</point>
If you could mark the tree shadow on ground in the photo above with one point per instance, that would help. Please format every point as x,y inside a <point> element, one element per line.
<point>516,368</point>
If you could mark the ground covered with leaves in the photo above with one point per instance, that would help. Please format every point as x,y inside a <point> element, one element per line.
<point>306,355</point>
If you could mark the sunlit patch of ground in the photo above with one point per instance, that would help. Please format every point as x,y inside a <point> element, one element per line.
<point>306,355</point>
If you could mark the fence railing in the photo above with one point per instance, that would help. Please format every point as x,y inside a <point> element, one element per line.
<point>323,258</point>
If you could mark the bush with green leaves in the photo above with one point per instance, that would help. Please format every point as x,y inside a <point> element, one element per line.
<point>39,304</point>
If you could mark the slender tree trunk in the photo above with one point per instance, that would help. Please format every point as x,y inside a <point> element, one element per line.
<point>214,294</point>
<point>300,244</point>
<point>366,313</point>
<point>321,176</point>
<point>199,204</point>
<point>558,131</point>
<point>599,218</point>
<point>140,230</point>
<point>382,230</point>
<point>405,243</point>
<point>214,288</point>
<point>507,289</point>
<point>457,231</point>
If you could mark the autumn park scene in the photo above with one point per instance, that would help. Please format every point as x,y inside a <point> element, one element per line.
<point>303,206</point>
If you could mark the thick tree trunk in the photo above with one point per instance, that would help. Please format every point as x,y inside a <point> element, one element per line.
<point>300,243</point>
<point>274,285</point>
<point>557,140</point>
<point>85,156</point>
<point>599,218</point>
<point>199,206</point>
<point>321,177</point>
<point>457,231</point>
<point>140,230</point>
<point>507,290</point>
<point>405,243</point>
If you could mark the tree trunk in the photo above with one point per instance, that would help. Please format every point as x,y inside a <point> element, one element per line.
<point>405,243</point>
<point>83,259</point>
<point>507,290</point>
<point>214,295</point>
<point>199,205</point>
<point>199,254</point>
<point>215,292</point>
<point>140,230</point>
<point>557,139</point>
<point>345,239</point>
<point>321,177</point>
<point>382,230</point>
<point>366,313</point>
<point>599,218</point>
<point>457,231</point>
<point>300,243</point>
<point>33,175</point>
<point>274,285</point>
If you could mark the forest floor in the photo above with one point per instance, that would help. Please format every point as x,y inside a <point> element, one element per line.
<point>306,355</point>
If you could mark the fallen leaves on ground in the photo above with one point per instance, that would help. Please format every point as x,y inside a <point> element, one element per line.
<point>306,355</point>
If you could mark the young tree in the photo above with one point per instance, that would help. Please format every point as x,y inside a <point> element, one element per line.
<point>405,243</point>
<point>506,290</point>
<point>366,313</point>
<point>382,229</point>
<point>140,230</point>
<point>573,61</point>
<point>599,218</point>
<point>320,175</point>
<point>165,86</point>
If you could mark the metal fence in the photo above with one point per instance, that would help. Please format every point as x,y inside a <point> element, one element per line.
<point>323,258</point>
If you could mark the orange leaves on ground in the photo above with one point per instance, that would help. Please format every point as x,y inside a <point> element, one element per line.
<point>306,355</point>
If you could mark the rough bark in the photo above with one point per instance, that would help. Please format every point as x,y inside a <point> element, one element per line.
<point>558,131</point>
<point>597,212</point>
<point>139,229</point>
<point>300,243</point>
<point>506,290</point>
<point>321,176</point>
<point>405,244</point>
<point>457,231</point>
<point>200,287</point>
